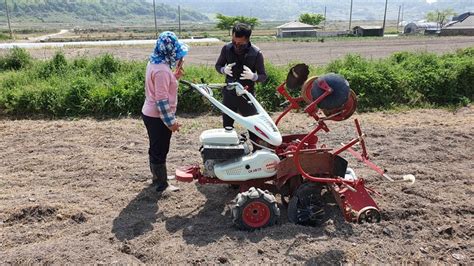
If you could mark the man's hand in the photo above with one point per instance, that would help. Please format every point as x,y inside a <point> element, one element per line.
<point>175,127</point>
<point>228,69</point>
<point>248,74</point>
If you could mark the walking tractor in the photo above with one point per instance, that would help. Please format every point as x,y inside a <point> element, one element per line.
<point>296,166</point>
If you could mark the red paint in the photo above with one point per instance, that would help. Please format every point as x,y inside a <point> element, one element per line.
<point>261,132</point>
<point>256,214</point>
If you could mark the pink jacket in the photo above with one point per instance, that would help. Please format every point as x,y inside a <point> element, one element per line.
<point>161,93</point>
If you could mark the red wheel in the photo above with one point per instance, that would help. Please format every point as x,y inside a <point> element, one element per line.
<point>255,209</point>
<point>256,214</point>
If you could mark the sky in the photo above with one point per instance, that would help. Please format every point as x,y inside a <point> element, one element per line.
<point>431,1</point>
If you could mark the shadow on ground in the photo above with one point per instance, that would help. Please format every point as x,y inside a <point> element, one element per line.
<point>138,216</point>
<point>212,220</point>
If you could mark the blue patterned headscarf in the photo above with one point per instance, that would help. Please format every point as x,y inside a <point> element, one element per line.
<point>168,49</point>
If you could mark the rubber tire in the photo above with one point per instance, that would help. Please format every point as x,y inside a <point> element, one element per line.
<point>300,198</point>
<point>254,196</point>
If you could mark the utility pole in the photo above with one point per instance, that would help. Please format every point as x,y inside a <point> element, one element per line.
<point>154,13</point>
<point>179,20</point>
<point>325,18</point>
<point>384,18</point>
<point>398,19</point>
<point>8,19</point>
<point>350,17</point>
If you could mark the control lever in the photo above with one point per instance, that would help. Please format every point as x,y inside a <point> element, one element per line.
<point>187,83</point>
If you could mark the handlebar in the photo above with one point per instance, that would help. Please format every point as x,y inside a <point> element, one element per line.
<point>208,87</point>
<point>260,123</point>
<point>185,82</point>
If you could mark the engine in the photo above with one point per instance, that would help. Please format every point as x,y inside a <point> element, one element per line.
<point>221,145</point>
<point>228,157</point>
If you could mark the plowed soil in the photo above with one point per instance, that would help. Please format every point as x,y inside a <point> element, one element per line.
<point>285,52</point>
<point>78,191</point>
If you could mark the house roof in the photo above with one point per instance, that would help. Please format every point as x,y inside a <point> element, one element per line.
<point>463,16</point>
<point>302,30</point>
<point>467,23</point>
<point>369,27</point>
<point>295,24</point>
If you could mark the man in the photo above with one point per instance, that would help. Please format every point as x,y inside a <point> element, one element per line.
<point>241,62</point>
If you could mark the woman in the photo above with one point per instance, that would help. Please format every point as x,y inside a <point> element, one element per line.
<point>161,97</point>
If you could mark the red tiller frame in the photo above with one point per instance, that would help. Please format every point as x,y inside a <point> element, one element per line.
<point>364,156</point>
<point>294,102</point>
<point>353,197</point>
<point>191,173</point>
<point>354,202</point>
<point>311,110</point>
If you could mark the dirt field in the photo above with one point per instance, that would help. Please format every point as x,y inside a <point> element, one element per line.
<point>77,191</point>
<point>282,53</point>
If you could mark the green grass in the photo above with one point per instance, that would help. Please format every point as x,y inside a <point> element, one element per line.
<point>109,87</point>
<point>4,37</point>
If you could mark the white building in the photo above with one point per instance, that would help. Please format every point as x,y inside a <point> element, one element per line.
<point>296,29</point>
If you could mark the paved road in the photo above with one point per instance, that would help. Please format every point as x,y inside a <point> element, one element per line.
<point>46,37</point>
<point>93,43</point>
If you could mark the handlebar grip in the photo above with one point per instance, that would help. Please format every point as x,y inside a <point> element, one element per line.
<point>185,82</point>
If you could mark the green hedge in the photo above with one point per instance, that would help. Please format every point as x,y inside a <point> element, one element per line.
<point>410,79</point>
<point>107,86</point>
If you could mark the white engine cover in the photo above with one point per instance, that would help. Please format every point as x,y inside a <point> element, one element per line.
<point>219,136</point>
<point>260,164</point>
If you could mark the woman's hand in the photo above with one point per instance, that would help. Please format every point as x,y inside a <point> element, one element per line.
<point>175,127</point>
<point>178,73</point>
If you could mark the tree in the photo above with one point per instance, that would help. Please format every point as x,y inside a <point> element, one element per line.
<point>440,17</point>
<point>248,20</point>
<point>311,19</point>
<point>227,22</point>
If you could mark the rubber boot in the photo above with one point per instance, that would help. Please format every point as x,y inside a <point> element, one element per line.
<point>160,176</point>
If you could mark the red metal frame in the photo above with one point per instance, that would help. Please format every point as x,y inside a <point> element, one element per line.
<point>352,203</point>
<point>312,111</point>
<point>351,195</point>
<point>294,102</point>
<point>192,173</point>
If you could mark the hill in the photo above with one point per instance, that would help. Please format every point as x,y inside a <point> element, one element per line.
<point>101,11</point>
<point>336,10</point>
